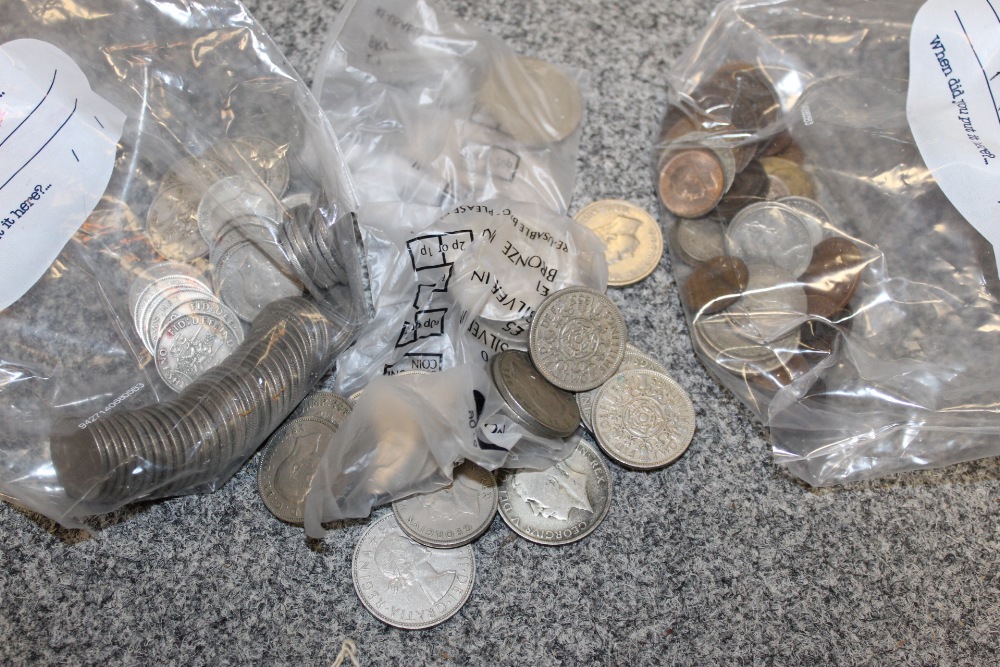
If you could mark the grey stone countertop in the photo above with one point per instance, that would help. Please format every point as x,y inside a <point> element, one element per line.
<point>721,558</point>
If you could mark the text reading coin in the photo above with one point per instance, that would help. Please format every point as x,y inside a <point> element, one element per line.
<point>288,463</point>
<point>643,419</point>
<point>577,338</point>
<point>633,243</point>
<point>455,515</point>
<point>406,584</point>
<point>561,504</point>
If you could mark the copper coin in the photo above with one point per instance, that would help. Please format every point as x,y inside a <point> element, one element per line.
<point>715,284</point>
<point>692,181</point>
<point>749,186</point>
<point>832,276</point>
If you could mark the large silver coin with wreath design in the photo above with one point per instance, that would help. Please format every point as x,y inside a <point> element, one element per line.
<point>561,504</point>
<point>406,584</point>
<point>577,338</point>
<point>643,419</point>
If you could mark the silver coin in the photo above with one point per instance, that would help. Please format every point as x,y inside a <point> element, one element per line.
<point>195,172</point>
<point>172,223</point>
<point>153,317</point>
<point>533,101</point>
<point>770,233</point>
<point>191,345</point>
<point>288,463</point>
<point>231,197</point>
<point>257,156</point>
<point>542,407</point>
<point>560,505</point>
<point>192,306</point>
<point>248,280</point>
<point>634,359</point>
<point>699,239</point>
<point>324,405</point>
<point>772,305</point>
<point>815,216</point>
<point>717,338</point>
<point>455,515</point>
<point>406,584</point>
<point>643,419</point>
<point>577,338</point>
<point>148,275</point>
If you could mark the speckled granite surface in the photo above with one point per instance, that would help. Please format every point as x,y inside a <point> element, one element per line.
<point>719,559</point>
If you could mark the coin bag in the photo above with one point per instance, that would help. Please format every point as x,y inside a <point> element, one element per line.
<point>461,286</point>
<point>114,124</point>
<point>432,110</point>
<point>406,434</point>
<point>835,276</point>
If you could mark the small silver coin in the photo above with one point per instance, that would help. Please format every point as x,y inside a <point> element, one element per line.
<point>717,338</point>
<point>288,463</point>
<point>406,584</point>
<point>560,505</point>
<point>643,419</point>
<point>577,338</point>
<point>542,407</point>
<point>455,515</point>
<point>634,359</point>
<point>699,239</point>
<point>770,233</point>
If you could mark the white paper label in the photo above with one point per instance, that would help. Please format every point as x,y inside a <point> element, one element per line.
<point>57,150</point>
<point>953,104</point>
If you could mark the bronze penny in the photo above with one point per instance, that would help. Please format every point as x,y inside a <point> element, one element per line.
<point>692,181</point>
<point>832,276</point>
<point>749,186</point>
<point>715,284</point>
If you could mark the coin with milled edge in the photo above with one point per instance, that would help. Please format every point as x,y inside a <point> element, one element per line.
<point>288,463</point>
<point>559,505</point>
<point>190,345</point>
<point>406,584</point>
<point>633,242</point>
<point>634,358</point>
<point>770,233</point>
<point>542,407</point>
<point>643,419</point>
<point>577,338</point>
<point>455,515</point>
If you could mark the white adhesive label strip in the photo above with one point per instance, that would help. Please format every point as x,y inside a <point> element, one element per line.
<point>953,104</point>
<point>57,150</point>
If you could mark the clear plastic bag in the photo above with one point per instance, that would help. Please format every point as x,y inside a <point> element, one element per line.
<point>175,100</point>
<point>872,348</point>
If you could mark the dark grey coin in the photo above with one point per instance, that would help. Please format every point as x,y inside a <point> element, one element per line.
<point>560,505</point>
<point>406,584</point>
<point>455,515</point>
<point>577,338</point>
<point>288,463</point>
<point>543,407</point>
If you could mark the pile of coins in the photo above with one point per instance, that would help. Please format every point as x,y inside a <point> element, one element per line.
<point>769,280</point>
<point>214,423</point>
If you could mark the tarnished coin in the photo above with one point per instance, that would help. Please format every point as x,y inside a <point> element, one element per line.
<point>406,584</point>
<point>772,305</point>
<point>717,338</point>
<point>699,239</point>
<point>770,233</point>
<point>633,242</point>
<point>643,419</point>
<point>539,405</point>
<point>533,101</point>
<point>692,182</point>
<point>634,359</point>
<point>750,186</point>
<point>561,504</point>
<point>577,338</point>
<point>715,284</point>
<point>455,515</point>
<point>288,463</point>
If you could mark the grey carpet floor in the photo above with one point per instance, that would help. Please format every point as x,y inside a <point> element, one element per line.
<point>720,559</point>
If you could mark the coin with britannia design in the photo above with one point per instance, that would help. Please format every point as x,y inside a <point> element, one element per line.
<point>455,515</point>
<point>407,584</point>
<point>577,338</point>
<point>561,504</point>
<point>643,419</point>
<point>633,242</point>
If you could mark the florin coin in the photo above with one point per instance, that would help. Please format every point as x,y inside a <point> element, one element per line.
<point>455,515</point>
<point>533,101</point>
<point>577,338</point>
<point>561,504</point>
<point>633,243</point>
<point>643,419</point>
<point>770,233</point>
<point>288,463</point>
<point>407,584</point>
<point>634,359</point>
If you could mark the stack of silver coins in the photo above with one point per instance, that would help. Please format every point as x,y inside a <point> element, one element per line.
<point>208,430</point>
